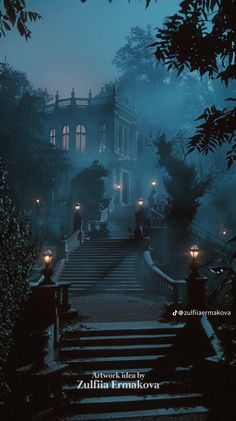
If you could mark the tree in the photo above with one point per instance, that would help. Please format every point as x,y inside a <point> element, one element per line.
<point>136,61</point>
<point>14,13</point>
<point>183,185</point>
<point>22,115</point>
<point>17,255</point>
<point>201,37</point>
<point>88,188</point>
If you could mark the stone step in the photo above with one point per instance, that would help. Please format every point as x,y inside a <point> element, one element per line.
<point>104,290</point>
<point>118,339</point>
<point>102,363</point>
<point>133,402</point>
<point>140,414</point>
<point>116,351</point>
<point>123,328</point>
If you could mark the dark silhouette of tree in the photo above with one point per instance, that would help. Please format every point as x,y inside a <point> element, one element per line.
<point>17,255</point>
<point>88,188</point>
<point>14,13</point>
<point>135,60</point>
<point>201,37</point>
<point>183,185</point>
<point>35,166</point>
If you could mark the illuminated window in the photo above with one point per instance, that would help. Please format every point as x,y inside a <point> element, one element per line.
<point>80,138</point>
<point>52,136</point>
<point>102,137</point>
<point>65,138</point>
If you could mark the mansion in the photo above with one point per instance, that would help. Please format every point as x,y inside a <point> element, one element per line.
<point>98,128</point>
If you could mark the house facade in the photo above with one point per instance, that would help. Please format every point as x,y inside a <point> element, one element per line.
<point>101,128</point>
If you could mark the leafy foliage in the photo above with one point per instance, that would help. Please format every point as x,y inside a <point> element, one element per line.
<point>17,255</point>
<point>183,185</point>
<point>88,188</point>
<point>16,14</point>
<point>218,127</point>
<point>22,145</point>
<point>201,37</point>
<point>135,60</point>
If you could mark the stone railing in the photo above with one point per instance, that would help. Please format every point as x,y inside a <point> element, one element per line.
<point>104,215</point>
<point>72,242</point>
<point>162,280</point>
<point>63,305</point>
<point>213,238</point>
<point>112,204</point>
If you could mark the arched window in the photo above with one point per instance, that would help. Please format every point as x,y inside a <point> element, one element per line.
<point>102,137</point>
<point>52,136</point>
<point>80,138</point>
<point>65,138</point>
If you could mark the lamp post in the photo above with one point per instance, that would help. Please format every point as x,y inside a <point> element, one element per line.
<point>77,218</point>
<point>118,191</point>
<point>140,203</point>
<point>77,207</point>
<point>47,270</point>
<point>196,295</point>
<point>153,184</point>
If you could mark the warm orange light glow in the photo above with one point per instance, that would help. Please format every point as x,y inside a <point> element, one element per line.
<point>194,252</point>
<point>47,257</point>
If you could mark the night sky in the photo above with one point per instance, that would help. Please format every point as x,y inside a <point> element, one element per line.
<point>75,43</point>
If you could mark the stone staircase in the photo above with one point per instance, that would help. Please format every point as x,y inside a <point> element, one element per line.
<point>104,265</point>
<point>120,221</point>
<point>115,354</point>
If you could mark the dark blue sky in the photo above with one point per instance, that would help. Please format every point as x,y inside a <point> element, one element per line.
<point>74,44</point>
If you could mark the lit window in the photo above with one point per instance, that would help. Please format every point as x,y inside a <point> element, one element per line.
<point>52,136</point>
<point>65,138</point>
<point>80,138</point>
<point>102,137</point>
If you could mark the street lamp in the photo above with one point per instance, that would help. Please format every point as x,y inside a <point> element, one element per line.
<point>47,271</point>
<point>196,295</point>
<point>77,218</point>
<point>194,252</point>
<point>118,187</point>
<point>140,202</point>
<point>77,207</point>
<point>37,201</point>
<point>47,257</point>
<point>153,183</point>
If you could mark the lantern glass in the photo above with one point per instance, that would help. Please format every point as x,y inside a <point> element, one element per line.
<point>47,257</point>
<point>77,207</point>
<point>154,183</point>
<point>140,202</point>
<point>194,251</point>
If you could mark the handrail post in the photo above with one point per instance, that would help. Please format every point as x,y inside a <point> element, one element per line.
<point>175,293</point>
